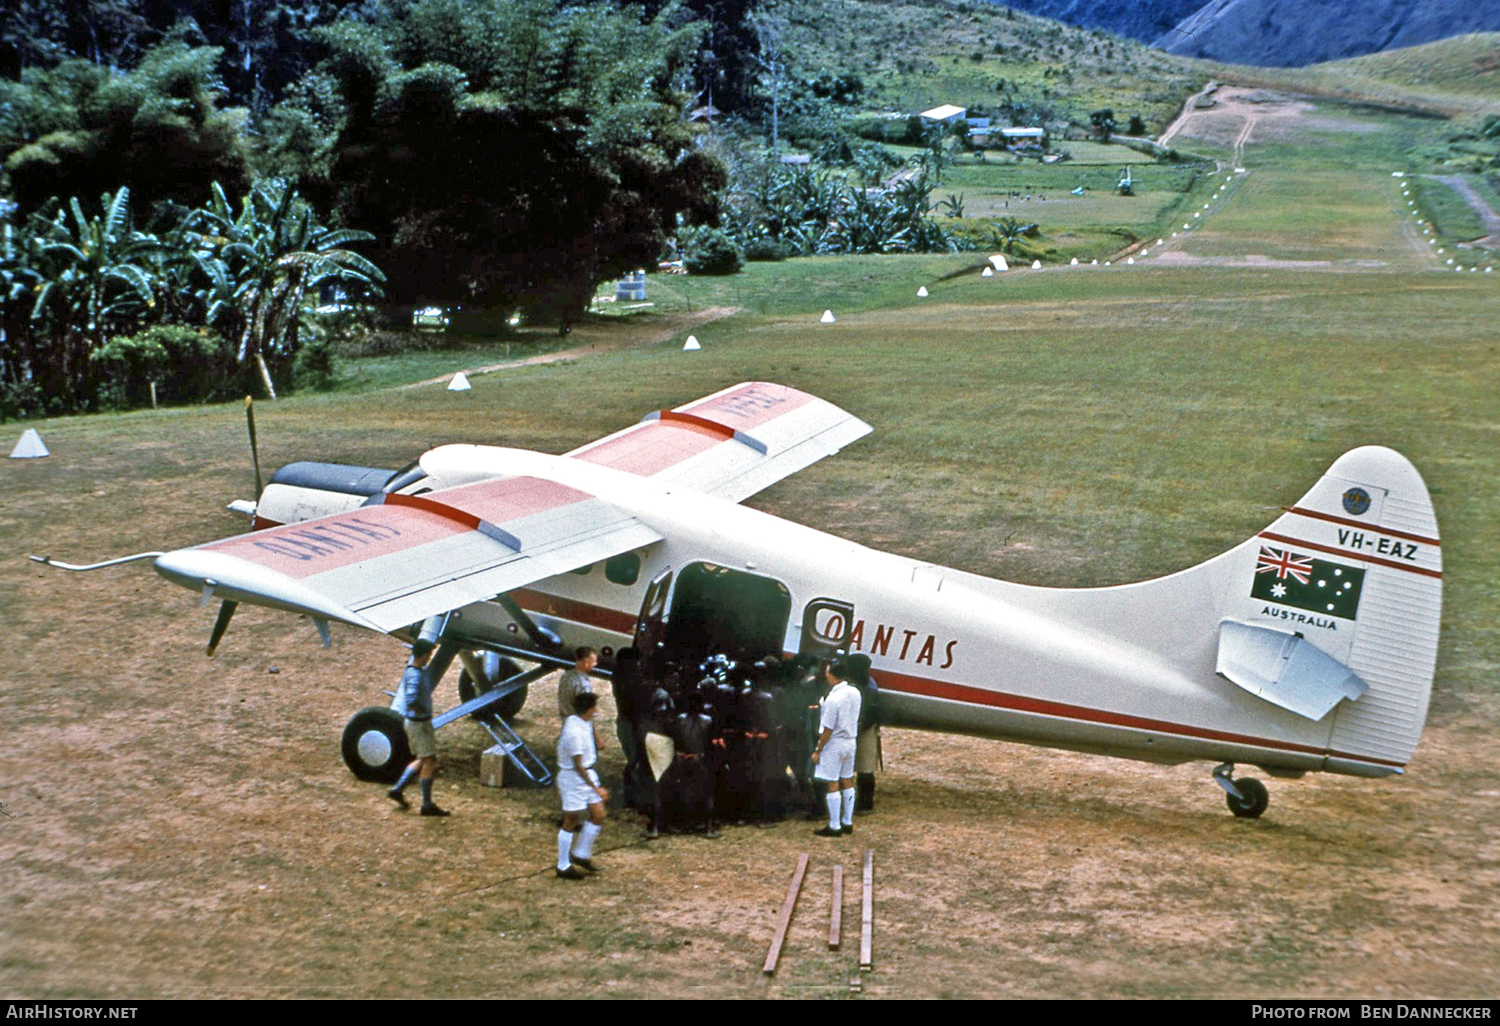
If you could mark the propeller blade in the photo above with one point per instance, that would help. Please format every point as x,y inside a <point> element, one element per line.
<point>254,449</point>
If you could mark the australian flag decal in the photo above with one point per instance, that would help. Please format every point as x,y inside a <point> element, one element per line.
<point>1292,579</point>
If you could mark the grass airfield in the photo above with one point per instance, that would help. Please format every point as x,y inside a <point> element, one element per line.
<point>175,827</point>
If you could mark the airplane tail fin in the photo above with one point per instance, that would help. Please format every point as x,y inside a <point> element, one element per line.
<point>1312,643</point>
<point>1361,550</point>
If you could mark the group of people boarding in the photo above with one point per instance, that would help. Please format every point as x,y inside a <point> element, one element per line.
<point>710,742</point>
<point>703,743</point>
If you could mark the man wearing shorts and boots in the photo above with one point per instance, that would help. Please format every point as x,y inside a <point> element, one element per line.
<point>416,695</point>
<point>833,757</point>
<point>578,786</point>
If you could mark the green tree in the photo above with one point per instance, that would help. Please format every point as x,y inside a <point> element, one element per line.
<point>606,168</point>
<point>269,254</point>
<point>1104,123</point>
<point>1008,235</point>
<point>19,279</point>
<point>92,282</point>
<point>80,130</point>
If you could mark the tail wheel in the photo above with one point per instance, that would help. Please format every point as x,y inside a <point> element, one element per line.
<point>374,745</point>
<point>508,708</point>
<point>1252,801</point>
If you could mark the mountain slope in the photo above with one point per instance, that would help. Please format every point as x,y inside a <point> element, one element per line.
<point>1292,33</point>
<point>1144,20</point>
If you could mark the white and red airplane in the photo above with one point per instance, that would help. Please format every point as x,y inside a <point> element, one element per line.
<point>1308,647</point>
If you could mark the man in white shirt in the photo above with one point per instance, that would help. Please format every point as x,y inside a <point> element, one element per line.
<point>578,786</point>
<point>834,755</point>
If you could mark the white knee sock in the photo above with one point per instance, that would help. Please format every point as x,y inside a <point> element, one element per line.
<point>584,849</point>
<point>833,809</point>
<point>564,842</point>
<point>848,802</point>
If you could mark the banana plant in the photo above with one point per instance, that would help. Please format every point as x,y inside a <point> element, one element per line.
<point>93,279</point>
<point>269,254</point>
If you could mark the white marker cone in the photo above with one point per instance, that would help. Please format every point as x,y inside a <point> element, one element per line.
<point>460,383</point>
<point>999,263</point>
<point>988,272</point>
<point>30,447</point>
<point>1073,262</point>
<point>691,344</point>
<point>1130,260</point>
<point>1036,265</point>
<point>827,317</point>
<point>922,292</point>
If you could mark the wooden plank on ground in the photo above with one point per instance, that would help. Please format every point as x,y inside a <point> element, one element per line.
<point>785,918</point>
<point>836,914</point>
<point>867,916</point>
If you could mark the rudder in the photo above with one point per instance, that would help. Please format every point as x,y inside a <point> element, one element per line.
<point>1363,545</point>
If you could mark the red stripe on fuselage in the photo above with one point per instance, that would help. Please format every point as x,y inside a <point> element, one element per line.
<point>542,604</point>
<point>929,688</point>
<point>926,687</point>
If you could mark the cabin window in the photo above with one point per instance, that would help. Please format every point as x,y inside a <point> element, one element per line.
<point>623,569</point>
<point>583,571</point>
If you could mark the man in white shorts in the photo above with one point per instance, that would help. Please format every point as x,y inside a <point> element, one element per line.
<point>578,786</point>
<point>833,758</point>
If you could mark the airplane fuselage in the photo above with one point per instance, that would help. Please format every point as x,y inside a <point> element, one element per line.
<point>950,650</point>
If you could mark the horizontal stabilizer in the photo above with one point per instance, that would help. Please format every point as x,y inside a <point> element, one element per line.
<point>1284,669</point>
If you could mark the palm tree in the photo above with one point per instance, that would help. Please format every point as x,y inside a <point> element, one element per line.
<point>265,259</point>
<point>92,281</point>
<point>19,280</point>
<point>1007,235</point>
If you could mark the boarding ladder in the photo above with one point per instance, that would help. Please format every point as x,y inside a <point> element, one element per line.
<point>520,756</point>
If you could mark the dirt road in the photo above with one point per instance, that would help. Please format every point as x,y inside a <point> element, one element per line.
<point>1476,202</point>
<point>657,334</point>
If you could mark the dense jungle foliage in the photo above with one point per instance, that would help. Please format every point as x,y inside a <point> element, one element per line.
<point>212,166</point>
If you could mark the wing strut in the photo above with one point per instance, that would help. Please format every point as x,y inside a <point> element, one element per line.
<point>226,612</point>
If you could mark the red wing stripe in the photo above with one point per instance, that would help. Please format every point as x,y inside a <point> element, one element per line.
<point>648,450</point>
<point>1315,515</point>
<point>464,517</point>
<point>713,426</point>
<point>400,523</point>
<point>1353,555</point>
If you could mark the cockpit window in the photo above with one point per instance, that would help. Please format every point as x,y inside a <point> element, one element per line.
<point>623,569</point>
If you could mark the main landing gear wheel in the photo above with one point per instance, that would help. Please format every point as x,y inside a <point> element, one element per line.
<point>374,745</point>
<point>509,707</point>
<point>1252,801</point>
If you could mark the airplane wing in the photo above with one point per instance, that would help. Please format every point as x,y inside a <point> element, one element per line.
<point>731,444</point>
<point>401,558</point>
<point>391,564</point>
